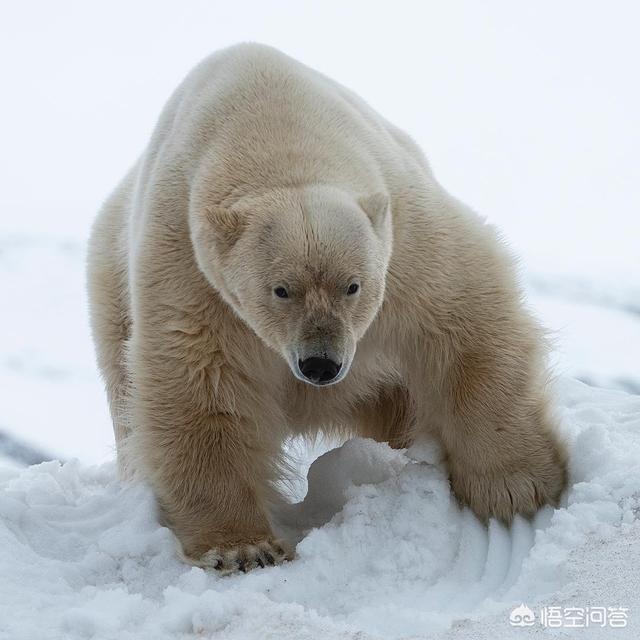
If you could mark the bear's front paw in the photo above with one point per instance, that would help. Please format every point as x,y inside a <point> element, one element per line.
<point>243,556</point>
<point>503,495</point>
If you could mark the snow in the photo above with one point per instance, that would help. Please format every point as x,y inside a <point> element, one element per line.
<point>51,394</point>
<point>599,344</point>
<point>384,551</point>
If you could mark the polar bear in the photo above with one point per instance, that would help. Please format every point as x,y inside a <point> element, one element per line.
<point>281,260</point>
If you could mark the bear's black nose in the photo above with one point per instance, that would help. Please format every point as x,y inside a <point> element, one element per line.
<point>319,370</point>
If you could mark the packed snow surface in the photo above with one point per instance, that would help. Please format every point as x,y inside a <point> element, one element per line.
<point>384,551</point>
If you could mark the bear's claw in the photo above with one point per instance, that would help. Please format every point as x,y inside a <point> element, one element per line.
<point>245,557</point>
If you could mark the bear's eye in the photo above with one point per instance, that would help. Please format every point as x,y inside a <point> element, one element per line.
<point>281,292</point>
<point>353,288</point>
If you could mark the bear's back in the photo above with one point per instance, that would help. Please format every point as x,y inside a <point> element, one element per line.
<point>263,115</point>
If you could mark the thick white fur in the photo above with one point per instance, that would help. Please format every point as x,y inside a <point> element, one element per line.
<point>264,173</point>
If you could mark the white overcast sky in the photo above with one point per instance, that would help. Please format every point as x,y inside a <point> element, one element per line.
<point>529,111</point>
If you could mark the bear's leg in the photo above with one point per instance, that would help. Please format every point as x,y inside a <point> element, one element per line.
<point>212,490</point>
<point>389,417</point>
<point>211,481</point>
<point>504,456</point>
<point>110,326</point>
<point>211,460</point>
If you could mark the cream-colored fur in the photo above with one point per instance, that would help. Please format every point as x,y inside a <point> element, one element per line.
<point>264,175</point>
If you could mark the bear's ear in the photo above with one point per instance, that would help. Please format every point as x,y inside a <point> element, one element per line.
<point>376,206</point>
<point>227,226</point>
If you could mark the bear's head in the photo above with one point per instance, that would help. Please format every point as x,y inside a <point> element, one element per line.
<point>304,268</point>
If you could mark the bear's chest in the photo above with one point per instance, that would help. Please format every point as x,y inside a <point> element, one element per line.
<point>308,407</point>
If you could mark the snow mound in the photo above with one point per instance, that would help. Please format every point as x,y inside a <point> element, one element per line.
<point>384,551</point>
